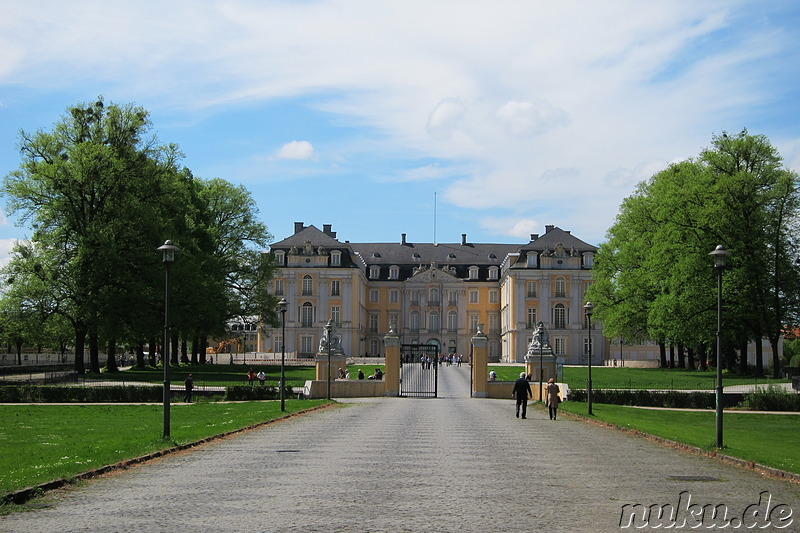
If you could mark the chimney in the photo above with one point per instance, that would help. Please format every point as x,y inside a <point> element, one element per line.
<point>298,227</point>
<point>326,229</point>
<point>534,236</point>
<point>402,238</point>
<point>463,239</point>
<point>548,228</point>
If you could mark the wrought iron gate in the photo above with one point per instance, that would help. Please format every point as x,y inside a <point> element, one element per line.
<point>419,370</point>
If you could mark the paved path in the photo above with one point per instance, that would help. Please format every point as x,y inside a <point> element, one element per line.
<point>452,464</point>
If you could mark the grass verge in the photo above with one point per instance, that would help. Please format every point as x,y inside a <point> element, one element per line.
<point>42,443</point>
<point>766,439</point>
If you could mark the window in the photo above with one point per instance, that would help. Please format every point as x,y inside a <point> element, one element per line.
<point>494,296</point>
<point>279,287</point>
<point>532,259</point>
<point>307,315</point>
<point>561,287</point>
<point>280,257</point>
<point>336,316</point>
<point>373,322</point>
<point>336,287</point>
<point>531,289</point>
<point>308,286</point>
<point>433,321</point>
<point>414,297</point>
<point>473,296</point>
<point>588,260</point>
<point>494,273</point>
<point>373,295</point>
<point>394,296</point>
<point>306,344</point>
<point>393,322</point>
<point>433,296</point>
<point>394,272</point>
<point>532,318</point>
<point>452,321</point>
<point>336,258</point>
<point>452,298</point>
<point>473,272</point>
<point>559,346</point>
<point>494,324</point>
<point>559,316</point>
<point>413,321</point>
<point>587,342</point>
<point>473,323</point>
<point>374,272</point>
<point>277,343</point>
<point>374,347</point>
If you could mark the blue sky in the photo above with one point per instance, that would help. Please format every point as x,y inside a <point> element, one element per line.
<point>498,117</point>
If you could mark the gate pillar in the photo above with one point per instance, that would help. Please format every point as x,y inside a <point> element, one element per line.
<point>391,342</point>
<point>480,364</point>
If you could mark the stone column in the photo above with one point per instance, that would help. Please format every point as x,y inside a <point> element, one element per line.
<point>480,362</point>
<point>392,377</point>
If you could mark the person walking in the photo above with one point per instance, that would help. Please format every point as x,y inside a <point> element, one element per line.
<point>553,399</point>
<point>522,391</point>
<point>188,386</point>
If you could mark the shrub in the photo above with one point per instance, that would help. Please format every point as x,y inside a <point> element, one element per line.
<point>239,393</point>
<point>773,398</point>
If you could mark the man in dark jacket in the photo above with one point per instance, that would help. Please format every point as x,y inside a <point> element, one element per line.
<point>522,391</point>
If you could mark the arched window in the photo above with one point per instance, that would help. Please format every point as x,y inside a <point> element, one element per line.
<point>307,315</point>
<point>308,285</point>
<point>433,321</point>
<point>561,287</point>
<point>413,321</point>
<point>336,258</point>
<point>559,316</point>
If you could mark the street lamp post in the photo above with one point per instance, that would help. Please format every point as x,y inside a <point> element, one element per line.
<point>329,329</point>
<point>540,333</point>
<point>720,255</point>
<point>282,305</point>
<point>589,308</point>
<point>167,257</point>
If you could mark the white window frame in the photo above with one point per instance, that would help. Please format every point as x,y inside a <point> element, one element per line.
<point>336,258</point>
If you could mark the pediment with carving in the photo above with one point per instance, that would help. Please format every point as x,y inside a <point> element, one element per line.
<point>433,273</point>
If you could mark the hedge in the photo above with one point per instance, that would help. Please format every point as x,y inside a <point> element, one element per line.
<point>646,398</point>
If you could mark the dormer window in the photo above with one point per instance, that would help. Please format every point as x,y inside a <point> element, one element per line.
<point>588,260</point>
<point>494,273</point>
<point>336,258</point>
<point>374,272</point>
<point>415,256</point>
<point>280,257</point>
<point>394,272</point>
<point>473,272</point>
<point>532,259</point>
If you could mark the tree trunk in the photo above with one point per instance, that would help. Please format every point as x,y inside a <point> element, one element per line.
<point>111,359</point>
<point>662,350</point>
<point>681,357</point>
<point>671,355</point>
<point>173,351</point>
<point>19,343</point>
<point>80,344</point>
<point>184,355</point>
<point>690,359</point>
<point>759,357</point>
<point>195,349</point>
<point>153,348</point>
<point>776,358</point>
<point>94,353</point>
<point>703,356</point>
<point>743,358</point>
<point>140,355</point>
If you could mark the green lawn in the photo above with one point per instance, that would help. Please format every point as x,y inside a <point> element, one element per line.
<point>41,443</point>
<point>767,439</point>
<point>640,378</point>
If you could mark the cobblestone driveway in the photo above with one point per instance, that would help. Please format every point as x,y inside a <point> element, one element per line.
<point>451,464</point>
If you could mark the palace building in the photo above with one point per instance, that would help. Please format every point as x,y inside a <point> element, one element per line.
<point>436,294</point>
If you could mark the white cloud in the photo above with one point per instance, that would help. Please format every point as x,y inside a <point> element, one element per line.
<point>445,118</point>
<point>6,246</point>
<point>296,150</point>
<point>521,228</point>
<point>531,118</point>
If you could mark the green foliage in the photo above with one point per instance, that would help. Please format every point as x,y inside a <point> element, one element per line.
<point>61,394</point>
<point>773,399</point>
<point>647,398</point>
